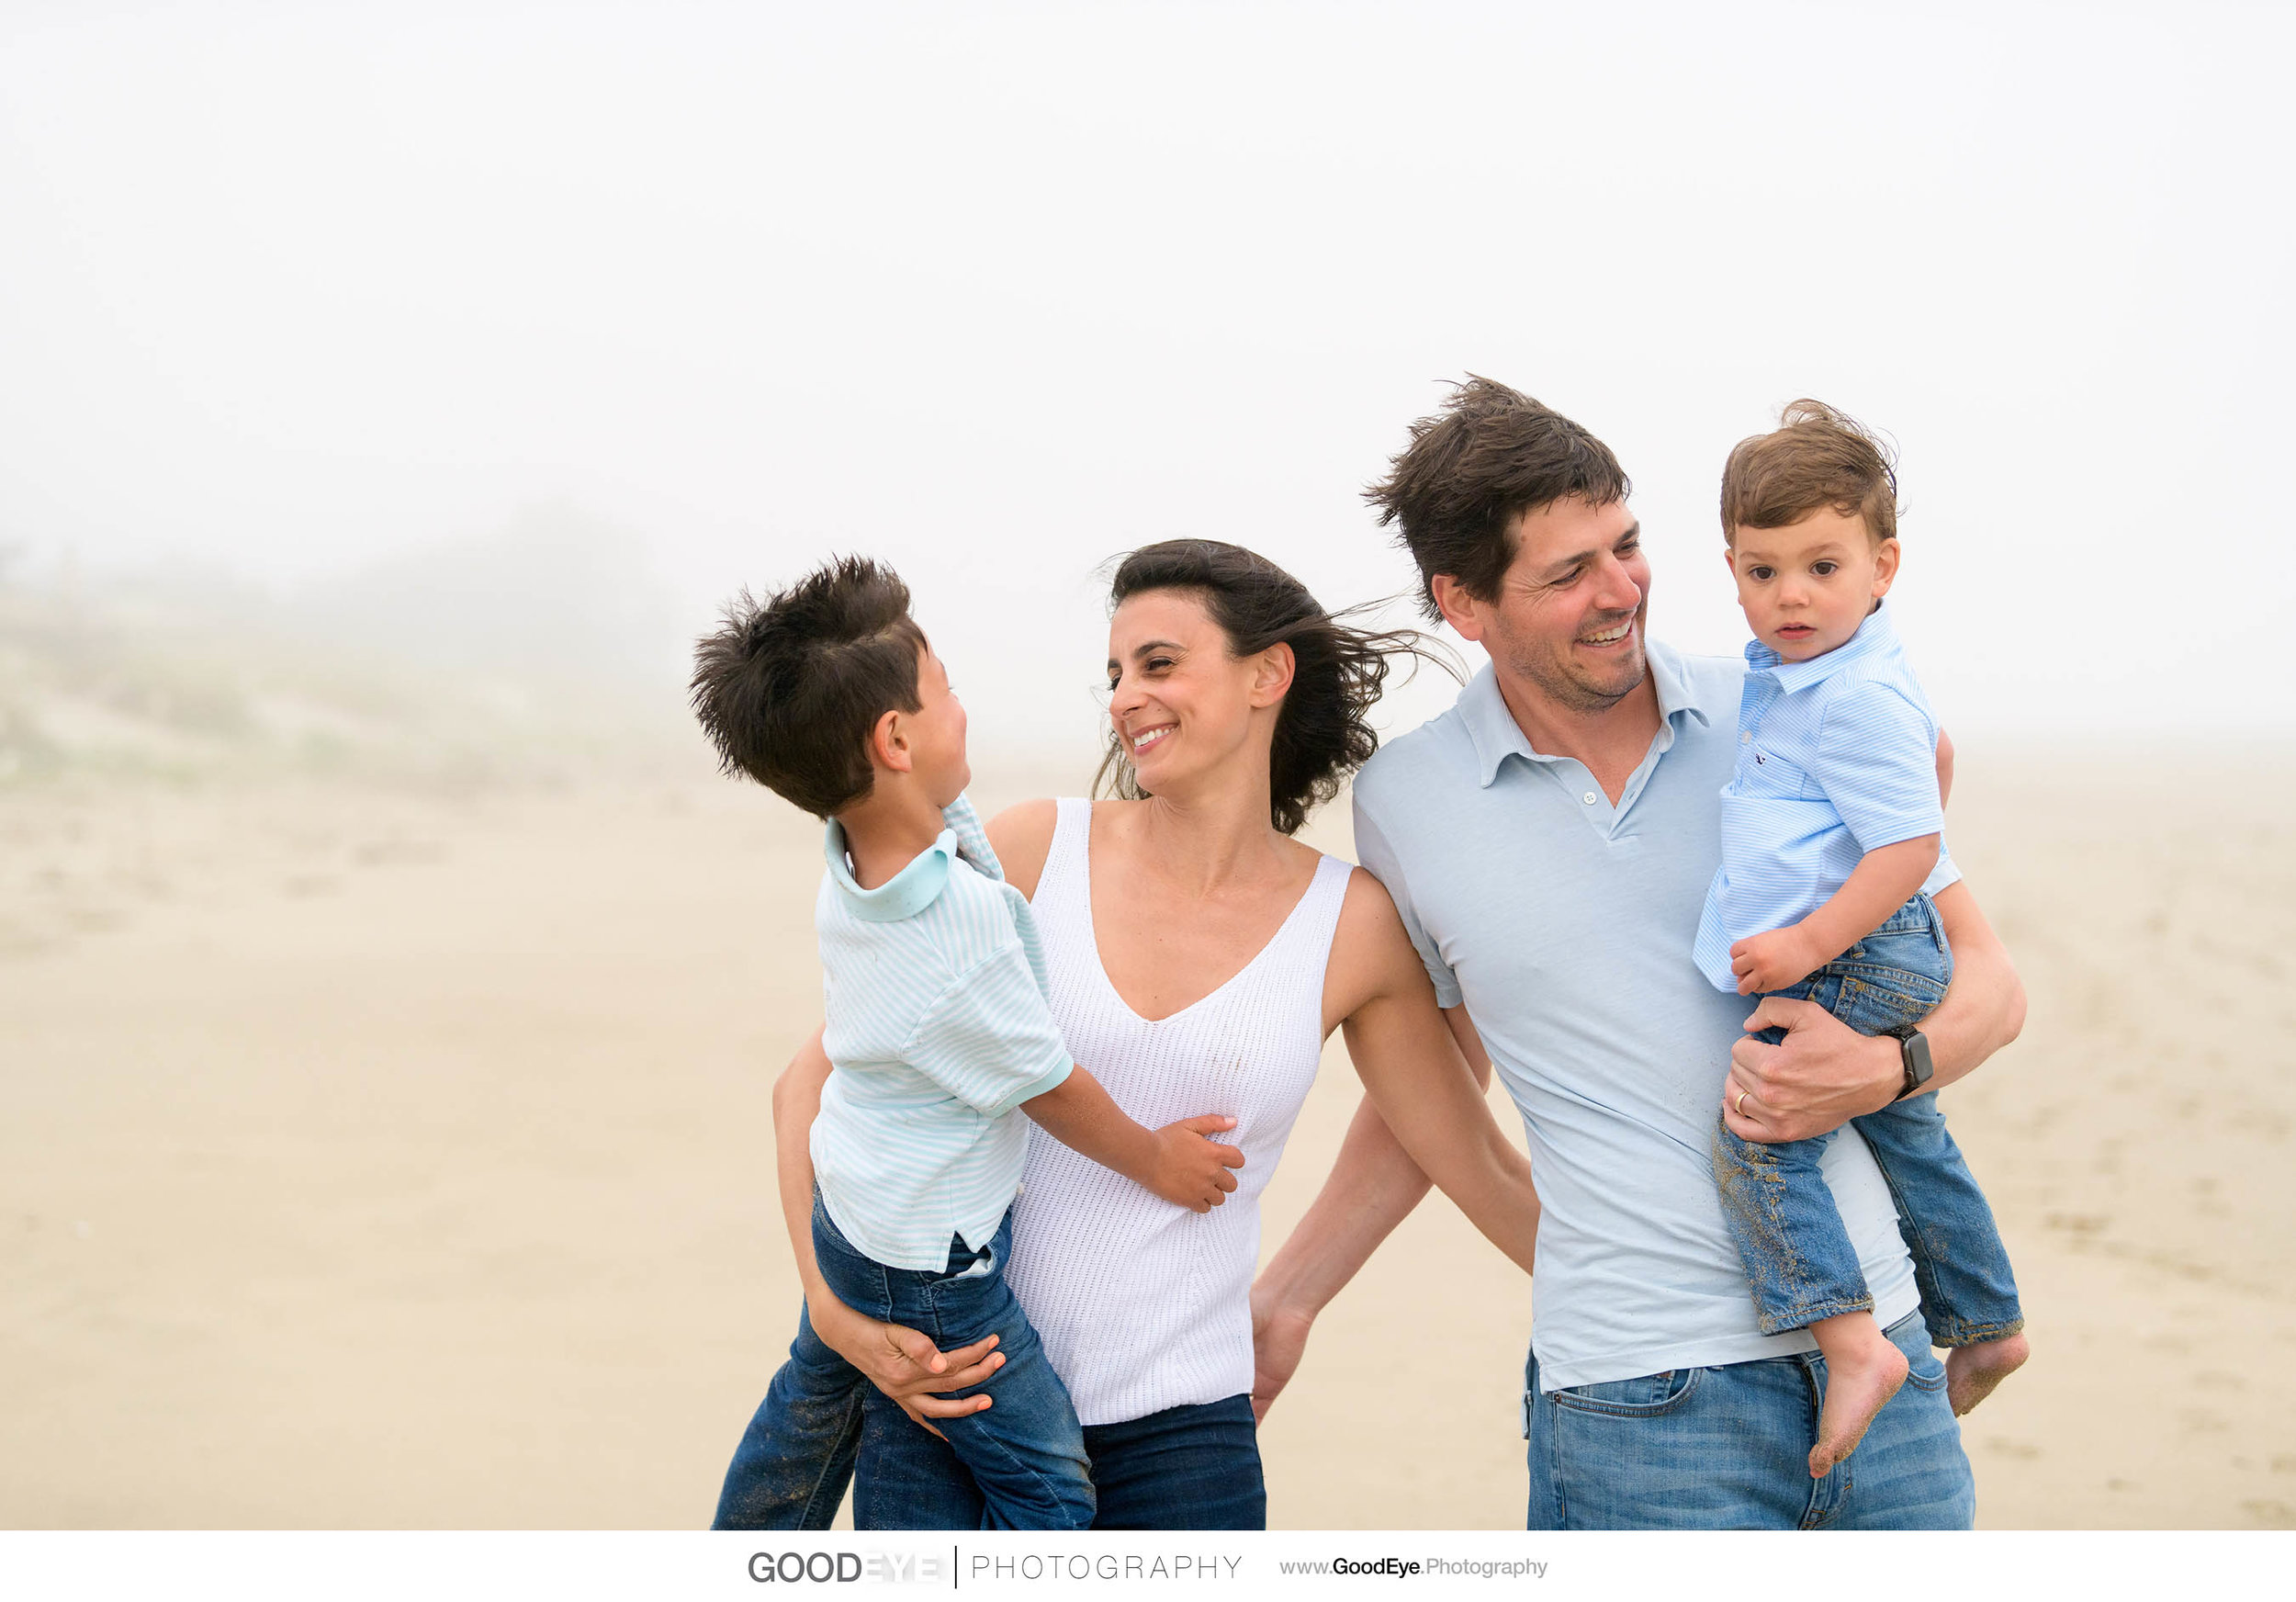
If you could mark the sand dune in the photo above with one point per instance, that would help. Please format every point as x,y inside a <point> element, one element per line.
<point>374,1159</point>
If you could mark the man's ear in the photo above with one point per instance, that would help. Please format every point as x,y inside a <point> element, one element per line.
<point>889,744</point>
<point>1884,568</point>
<point>1271,679</point>
<point>1460,609</point>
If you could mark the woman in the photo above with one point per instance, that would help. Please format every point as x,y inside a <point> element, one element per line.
<point>1197,955</point>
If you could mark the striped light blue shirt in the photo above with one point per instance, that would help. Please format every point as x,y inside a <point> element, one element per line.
<point>938,1031</point>
<point>1836,756</point>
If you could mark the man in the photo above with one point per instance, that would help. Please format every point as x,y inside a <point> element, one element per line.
<point>1549,843</point>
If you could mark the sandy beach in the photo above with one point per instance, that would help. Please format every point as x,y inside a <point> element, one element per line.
<point>383,1157</point>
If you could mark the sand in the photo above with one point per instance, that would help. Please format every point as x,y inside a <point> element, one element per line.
<point>378,1158</point>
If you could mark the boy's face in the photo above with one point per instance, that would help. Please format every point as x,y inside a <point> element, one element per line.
<point>934,733</point>
<point>1805,587</point>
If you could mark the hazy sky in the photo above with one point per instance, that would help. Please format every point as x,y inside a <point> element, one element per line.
<point>998,291</point>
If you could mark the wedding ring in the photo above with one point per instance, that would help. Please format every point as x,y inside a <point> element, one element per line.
<point>1740,1105</point>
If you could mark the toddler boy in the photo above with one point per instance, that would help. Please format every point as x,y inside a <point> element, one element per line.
<point>1831,825</point>
<point>940,1036</point>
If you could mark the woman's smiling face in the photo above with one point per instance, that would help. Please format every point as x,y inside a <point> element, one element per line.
<point>1179,702</point>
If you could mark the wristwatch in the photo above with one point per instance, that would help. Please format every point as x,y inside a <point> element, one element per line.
<point>1913,1051</point>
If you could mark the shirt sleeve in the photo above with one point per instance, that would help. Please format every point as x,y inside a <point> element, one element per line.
<point>1877,761</point>
<point>988,1039</point>
<point>1380,858</point>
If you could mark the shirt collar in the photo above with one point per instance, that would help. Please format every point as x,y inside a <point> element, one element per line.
<point>1875,635</point>
<point>1496,735</point>
<point>906,894</point>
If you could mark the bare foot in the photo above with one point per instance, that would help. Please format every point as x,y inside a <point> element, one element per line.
<point>1864,1370</point>
<point>1972,1372</point>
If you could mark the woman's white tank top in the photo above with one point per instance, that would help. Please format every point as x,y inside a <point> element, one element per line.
<point>1142,1305</point>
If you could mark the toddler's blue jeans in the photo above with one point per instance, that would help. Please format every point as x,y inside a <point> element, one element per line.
<point>1798,1255</point>
<point>1026,1452</point>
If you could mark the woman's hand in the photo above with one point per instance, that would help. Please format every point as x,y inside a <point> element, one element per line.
<point>904,1363</point>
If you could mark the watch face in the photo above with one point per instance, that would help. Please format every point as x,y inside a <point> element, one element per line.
<point>1916,1050</point>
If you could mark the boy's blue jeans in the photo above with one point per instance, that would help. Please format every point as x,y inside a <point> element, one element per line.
<point>1798,1255</point>
<point>1026,1452</point>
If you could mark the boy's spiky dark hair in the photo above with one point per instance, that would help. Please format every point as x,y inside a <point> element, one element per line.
<point>788,689</point>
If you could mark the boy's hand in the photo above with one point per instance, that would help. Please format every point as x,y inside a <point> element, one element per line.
<point>1191,1170</point>
<point>1773,960</point>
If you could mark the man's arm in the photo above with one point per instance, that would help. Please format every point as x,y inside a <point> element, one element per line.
<point>901,1362</point>
<point>1372,1187</point>
<point>1824,1073</point>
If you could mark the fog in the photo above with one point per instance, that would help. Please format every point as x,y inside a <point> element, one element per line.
<point>502,336</point>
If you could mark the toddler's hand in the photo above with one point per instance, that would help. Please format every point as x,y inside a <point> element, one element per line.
<point>1773,960</point>
<point>1192,1168</point>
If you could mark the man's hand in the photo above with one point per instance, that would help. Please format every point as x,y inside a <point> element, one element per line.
<point>1775,960</point>
<point>1192,1168</point>
<point>904,1363</point>
<point>1821,1075</point>
<point>1279,1338</point>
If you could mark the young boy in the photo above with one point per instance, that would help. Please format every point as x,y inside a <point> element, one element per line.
<point>940,1036</point>
<point>1831,825</point>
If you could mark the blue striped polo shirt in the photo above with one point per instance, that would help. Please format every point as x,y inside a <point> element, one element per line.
<point>1836,756</point>
<point>937,1031</point>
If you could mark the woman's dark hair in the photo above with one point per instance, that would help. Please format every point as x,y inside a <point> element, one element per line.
<point>1322,734</point>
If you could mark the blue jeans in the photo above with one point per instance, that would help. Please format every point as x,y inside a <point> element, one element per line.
<point>1025,1452</point>
<point>1185,1468</point>
<point>1781,1213</point>
<point>1728,1449</point>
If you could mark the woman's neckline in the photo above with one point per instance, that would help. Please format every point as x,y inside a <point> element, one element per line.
<point>1107,980</point>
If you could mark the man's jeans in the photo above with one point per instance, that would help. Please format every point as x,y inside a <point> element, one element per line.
<point>1781,1213</point>
<point>1195,1467</point>
<point>1728,1449</point>
<point>1026,1452</point>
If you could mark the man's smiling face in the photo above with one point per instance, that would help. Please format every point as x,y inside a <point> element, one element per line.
<point>1568,616</point>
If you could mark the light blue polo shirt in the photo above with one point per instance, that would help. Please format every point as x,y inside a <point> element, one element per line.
<point>937,1031</point>
<point>1836,756</point>
<point>1564,924</point>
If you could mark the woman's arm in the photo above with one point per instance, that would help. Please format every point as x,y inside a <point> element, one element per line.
<point>1022,836</point>
<point>901,1362</point>
<point>1425,1071</point>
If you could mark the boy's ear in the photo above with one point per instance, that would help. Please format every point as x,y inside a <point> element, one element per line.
<point>1729,559</point>
<point>889,744</point>
<point>1884,567</point>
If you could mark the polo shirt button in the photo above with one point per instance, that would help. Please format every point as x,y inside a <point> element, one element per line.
<point>1587,797</point>
<point>1745,737</point>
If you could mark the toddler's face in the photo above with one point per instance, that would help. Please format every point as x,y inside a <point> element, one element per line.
<point>1807,586</point>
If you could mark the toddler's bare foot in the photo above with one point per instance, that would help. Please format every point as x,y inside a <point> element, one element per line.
<point>1972,1372</point>
<point>1864,1370</point>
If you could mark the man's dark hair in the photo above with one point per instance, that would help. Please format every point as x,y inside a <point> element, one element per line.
<point>789,689</point>
<point>1491,455</point>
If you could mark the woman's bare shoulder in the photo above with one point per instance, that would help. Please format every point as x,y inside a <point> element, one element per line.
<point>1022,836</point>
<point>1371,951</point>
